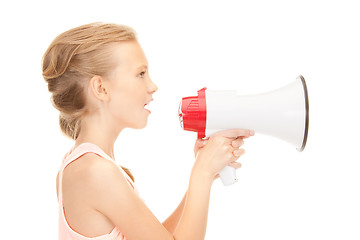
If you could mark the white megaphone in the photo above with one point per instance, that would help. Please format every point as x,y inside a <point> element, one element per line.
<point>282,113</point>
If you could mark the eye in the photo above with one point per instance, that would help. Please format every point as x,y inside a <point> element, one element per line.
<point>142,74</point>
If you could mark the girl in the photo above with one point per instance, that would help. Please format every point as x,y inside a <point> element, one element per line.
<point>99,80</point>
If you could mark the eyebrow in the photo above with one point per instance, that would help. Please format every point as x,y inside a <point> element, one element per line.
<point>141,67</point>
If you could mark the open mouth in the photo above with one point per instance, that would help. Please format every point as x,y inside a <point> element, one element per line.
<point>146,107</point>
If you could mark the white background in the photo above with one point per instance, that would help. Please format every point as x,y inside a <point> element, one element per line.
<point>253,46</point>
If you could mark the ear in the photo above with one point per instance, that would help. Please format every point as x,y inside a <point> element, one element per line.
<point>99,88</point>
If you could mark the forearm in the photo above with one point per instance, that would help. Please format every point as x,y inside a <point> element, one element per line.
<point>172,221</point>
<point>192,225</point>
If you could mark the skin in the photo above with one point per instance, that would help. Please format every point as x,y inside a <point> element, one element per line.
<point>117,102</point>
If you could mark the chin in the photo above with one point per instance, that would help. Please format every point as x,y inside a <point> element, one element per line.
<point>140,125</point>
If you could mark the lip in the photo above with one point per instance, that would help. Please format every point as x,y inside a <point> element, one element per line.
<point>147,103</point>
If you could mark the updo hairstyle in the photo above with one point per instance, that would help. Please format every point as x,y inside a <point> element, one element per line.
<point>71,60</point>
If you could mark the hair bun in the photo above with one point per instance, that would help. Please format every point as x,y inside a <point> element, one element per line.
<point>57,59</point>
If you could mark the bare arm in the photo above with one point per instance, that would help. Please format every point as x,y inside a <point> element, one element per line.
<point>108,192</point>
<point>172,221</point>
<point>192,224</point>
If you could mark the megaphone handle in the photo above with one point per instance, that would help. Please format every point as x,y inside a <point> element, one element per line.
<point>228,176</point>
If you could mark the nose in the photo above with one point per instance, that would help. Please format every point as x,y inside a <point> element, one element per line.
<point>152,88</point>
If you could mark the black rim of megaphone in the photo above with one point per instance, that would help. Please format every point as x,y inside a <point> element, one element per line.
<point>307,113</point>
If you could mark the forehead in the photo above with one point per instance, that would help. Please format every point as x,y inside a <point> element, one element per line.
<point>129,55</point>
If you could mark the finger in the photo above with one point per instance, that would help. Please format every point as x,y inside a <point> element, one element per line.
<point>200,143</point>
<point>203,142</point>
<point>238,152</point>
<point>235,165</point>
<point>235,133</point>
<point>237,143</point>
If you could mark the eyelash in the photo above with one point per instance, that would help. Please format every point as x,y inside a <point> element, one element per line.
<point>141,75</point>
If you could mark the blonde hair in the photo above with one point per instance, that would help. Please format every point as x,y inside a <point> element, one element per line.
<point>71,60</point>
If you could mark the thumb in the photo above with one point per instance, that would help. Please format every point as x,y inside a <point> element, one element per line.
<point>199,144</point>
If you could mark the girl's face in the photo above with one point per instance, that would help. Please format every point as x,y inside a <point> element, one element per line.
<point>130,86</point>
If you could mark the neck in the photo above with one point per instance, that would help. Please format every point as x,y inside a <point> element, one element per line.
<point>99,130</point>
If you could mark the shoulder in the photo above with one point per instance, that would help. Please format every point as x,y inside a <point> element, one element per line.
<point>91,173</point>
<point>87,164</point>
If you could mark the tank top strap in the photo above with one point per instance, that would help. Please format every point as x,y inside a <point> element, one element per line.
<point>82,149</point>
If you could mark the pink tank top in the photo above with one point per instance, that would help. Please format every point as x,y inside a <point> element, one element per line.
<point>65,231</point>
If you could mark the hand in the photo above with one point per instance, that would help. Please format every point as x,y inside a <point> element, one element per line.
<point>200,143</point>
<point>223,148</point>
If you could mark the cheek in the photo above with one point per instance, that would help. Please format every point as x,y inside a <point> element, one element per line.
<point>122,103</point>
<point>126,107</point>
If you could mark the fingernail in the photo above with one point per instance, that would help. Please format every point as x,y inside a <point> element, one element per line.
<point>252,132</point>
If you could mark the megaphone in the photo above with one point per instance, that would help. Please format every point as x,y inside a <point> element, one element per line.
<point>282,113</point>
